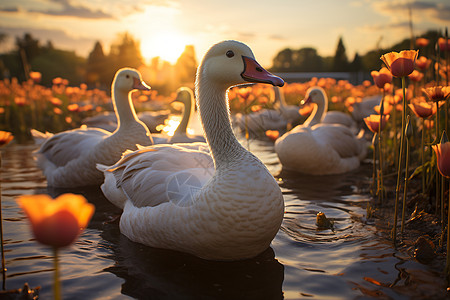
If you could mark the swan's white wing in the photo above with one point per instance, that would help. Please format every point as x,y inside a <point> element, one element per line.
<point>339,137</point>
<point>68,145</point>
<point>149,176</point>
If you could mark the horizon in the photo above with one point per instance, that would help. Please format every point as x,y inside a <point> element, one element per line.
<point>165,27</point>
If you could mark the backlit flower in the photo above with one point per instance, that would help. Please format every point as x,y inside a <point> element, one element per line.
<point>422,42</point>
<point>381,77</point>
<point>416,76</point>
<point>442,151</point>
<point>437,93</point>
<point>5,137</point>
<point>422,109</point>
<point>272,134</point>
<point>56,222</point>
<point>444,44</point>
<point>423,63</point>
<point>36,77</point>
<point>373,122</point>
<point>400,64</point>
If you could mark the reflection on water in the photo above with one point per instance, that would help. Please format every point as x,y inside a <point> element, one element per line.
<point>350,261</point>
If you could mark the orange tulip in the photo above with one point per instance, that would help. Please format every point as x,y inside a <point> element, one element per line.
<point>422,109</point>
<point>416,76</point>
<point>444,44</point>
<point>381,77</point>
<point>422,42</point>
<point>400,64</point>
<point>443,158</point>
<point>423,63</point>
<point>56,222</point>
<point>437,93</point>
<point>373,122</point>
<point>36,77</point>
<point>5,137</point>
<point>272,134</point>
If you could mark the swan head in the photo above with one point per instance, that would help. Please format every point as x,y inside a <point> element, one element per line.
<point>231,63</point>
<point>184,95</point>
<point>314,95</point>
<point>127,80</point>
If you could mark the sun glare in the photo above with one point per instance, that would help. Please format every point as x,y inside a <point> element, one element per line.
<point>168,45</point>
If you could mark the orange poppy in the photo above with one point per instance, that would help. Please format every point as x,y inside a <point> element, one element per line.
<point>400,64</point>
<point>373,122</point>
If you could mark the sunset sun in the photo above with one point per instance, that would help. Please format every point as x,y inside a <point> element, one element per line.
<point>168,45</point>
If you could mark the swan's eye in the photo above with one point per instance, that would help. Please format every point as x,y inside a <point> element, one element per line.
<point>230,53</point>
<point>127,76</point>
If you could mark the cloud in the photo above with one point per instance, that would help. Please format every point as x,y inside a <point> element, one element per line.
<point>277,37</point>
<point>61,8</point>
<point>59,39</point>
<point>430,11</point>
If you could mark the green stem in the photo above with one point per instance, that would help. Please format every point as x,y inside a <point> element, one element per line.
<point>423,156</point>
<point>437,171</point>
<point>405,189</point>
<point>1,237</point>
<point>447,265</point>
<point>400,159</point>
<point>56,282</point>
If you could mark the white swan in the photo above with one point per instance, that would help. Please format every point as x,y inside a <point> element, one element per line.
<point>320,113</point>
<point>185,96</point>
<point>278,118</point>
<point>319,148</point>
<point>232,213</point>
<point>69,158</point>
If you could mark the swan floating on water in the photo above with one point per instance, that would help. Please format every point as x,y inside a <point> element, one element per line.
<point>319,148</point>
<point>68,159</point>
<point>219,206</point>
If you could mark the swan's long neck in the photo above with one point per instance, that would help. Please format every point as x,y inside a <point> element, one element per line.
<point>318,112</point>
<point>124,108</point>
<point>188,112</point>
<point>215,116</point>
<point>279,97</point>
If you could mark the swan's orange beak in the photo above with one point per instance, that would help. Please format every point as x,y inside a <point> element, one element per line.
<point>253,72</point>
<point>140,85</point>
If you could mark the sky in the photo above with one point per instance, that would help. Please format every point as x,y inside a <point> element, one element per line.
<point>164,27</point>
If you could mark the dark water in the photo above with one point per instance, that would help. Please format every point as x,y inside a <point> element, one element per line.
<point>353,261</point>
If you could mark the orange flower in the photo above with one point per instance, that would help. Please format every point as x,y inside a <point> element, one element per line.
<point>422,42</point>
<point>20,101</point>
<point>272,134</point>
<point>416,76</point>
<point>443,157</point>
<point>400,64</point>
<point>373,122</point>
<point>423,63</point>
<point>73,107</point>
<point>444,44</point>
<point>381,77</point>
<point>57,111</point>
<point>56,222</point>
<point>387,108</point>
<point>36,77</point>
<point>437,93</point>
<point>5,137</point>
<point>57,80</point>
<point>422,109</point>
<point>56,101</point>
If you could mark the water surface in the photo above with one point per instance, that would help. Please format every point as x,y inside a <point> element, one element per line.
<point>352,261</point>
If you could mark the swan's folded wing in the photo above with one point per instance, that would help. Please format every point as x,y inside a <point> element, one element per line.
<point>65,146</point>
<point>338,137</point>
<point>147,176</point>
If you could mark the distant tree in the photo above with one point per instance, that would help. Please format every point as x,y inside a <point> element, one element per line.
<point>186,66</point>
<point>60,63</point>
<point>283,61</point>
<point>356,65</point>
<point>307,60</point>
<point>28,48</point>
<point>126,51</point>
<point>96,66</point>
<point>340,62</point>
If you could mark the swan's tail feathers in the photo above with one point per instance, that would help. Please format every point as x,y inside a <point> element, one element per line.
<point>40,137</point>
<point>101,168</point>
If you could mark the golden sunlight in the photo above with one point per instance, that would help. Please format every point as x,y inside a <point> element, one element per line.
<point>166,44</point>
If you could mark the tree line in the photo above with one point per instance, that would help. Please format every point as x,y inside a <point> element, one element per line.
<point>97,70</point>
